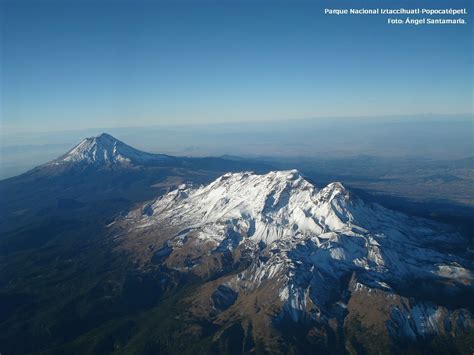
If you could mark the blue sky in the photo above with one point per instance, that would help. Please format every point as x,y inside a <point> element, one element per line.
<point>85,64</point>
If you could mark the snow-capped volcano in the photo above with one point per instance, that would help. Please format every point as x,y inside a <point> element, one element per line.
<point>298,241</point>
<point>268,208</point>
<point>283,209</point>
<point>107,150</point>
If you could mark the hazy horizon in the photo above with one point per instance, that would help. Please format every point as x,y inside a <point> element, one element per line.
<point>241,78</point>
<point>438,137</point>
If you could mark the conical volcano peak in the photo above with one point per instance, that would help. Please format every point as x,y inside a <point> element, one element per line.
<point>104,139</point>
<point>106,136</point>
<point>105,149</point>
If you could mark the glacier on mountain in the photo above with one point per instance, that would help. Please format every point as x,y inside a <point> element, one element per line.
<point>304,240</point>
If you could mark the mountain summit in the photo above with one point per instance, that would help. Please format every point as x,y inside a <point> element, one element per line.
<point>269,207</point>
<point>275,248</point>
<point>281,209</point>
<point>107,150</point>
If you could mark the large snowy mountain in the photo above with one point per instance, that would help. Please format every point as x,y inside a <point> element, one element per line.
<point>107,150</point>
<point>276,249</point>
<point>109,249</point>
